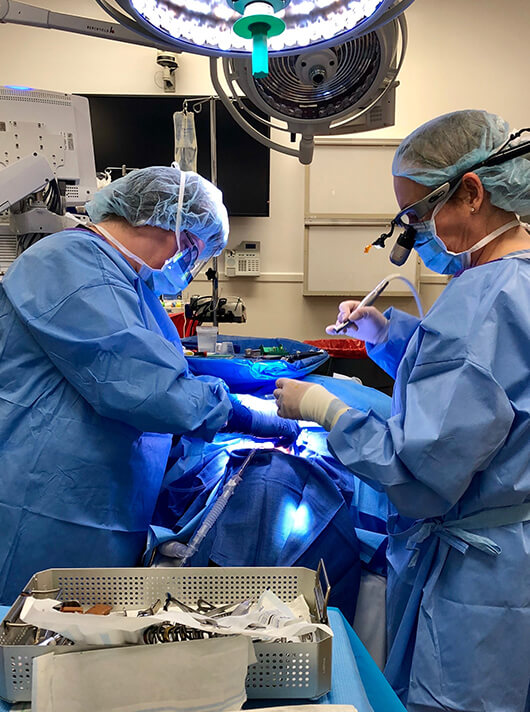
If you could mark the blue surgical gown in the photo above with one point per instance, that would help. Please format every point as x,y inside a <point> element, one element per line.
<point>93,382</point>
<point>457,444</point>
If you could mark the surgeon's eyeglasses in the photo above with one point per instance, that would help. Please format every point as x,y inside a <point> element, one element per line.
<point>186,241</point>
<point>416,212</point>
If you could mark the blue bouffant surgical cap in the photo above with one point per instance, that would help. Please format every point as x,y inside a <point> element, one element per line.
<point>149,196</point>
<point>448,145</point>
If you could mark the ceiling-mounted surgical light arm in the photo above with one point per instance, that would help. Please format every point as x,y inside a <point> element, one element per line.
<point>227,101</point>
<point>19,13</point>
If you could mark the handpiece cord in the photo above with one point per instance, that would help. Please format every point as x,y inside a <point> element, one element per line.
<point>412,288</point>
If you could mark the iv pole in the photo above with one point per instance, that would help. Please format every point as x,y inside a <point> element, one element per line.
<point>212,273</point>
<point>213,177</point>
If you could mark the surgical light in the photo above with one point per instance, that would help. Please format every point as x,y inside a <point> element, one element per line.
<point>326,91</point>
<point>211,26</point>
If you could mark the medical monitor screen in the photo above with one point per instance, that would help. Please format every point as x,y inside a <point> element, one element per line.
<point>137,131</point>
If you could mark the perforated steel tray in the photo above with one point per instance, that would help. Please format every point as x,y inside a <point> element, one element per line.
<point>283,670</point>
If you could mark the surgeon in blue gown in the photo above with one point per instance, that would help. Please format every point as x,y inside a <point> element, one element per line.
<point>93,380</point>
<point>454,457</point>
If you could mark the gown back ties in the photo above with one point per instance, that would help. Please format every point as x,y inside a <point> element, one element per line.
<point>456,534</point>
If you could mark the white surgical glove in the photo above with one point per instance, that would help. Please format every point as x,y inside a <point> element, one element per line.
<point>370,325</point>
<point>308,401</point>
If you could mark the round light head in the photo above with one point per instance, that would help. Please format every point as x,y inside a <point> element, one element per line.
<point>321,86</point>
<point>206,26</point>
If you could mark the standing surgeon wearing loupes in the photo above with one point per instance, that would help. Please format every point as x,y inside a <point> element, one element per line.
<point>454,457</point>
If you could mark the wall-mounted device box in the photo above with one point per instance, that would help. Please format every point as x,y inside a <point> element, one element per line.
<point>243,261</point>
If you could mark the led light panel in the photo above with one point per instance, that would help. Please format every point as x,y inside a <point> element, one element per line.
<point>206,27</point>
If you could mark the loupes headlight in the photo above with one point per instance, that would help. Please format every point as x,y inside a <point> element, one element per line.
<point>402,247</point>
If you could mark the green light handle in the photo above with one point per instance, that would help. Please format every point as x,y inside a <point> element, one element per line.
<point>260,54</point>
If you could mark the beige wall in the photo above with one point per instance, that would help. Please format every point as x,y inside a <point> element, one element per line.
<point>462,53</point>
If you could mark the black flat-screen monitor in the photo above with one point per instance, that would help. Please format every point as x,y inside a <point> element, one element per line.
<point>137,131</point>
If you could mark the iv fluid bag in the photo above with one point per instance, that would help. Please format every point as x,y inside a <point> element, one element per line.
<point>185,140</point>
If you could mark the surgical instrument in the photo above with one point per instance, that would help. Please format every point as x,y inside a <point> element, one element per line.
<point>368,300</point>
<point>372,296</point>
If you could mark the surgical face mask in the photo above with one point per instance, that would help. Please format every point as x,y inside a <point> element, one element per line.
<point>435,255</point>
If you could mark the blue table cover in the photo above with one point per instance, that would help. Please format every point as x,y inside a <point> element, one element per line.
<point>356,679</point>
